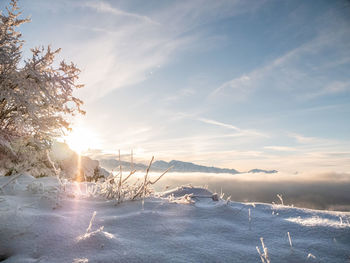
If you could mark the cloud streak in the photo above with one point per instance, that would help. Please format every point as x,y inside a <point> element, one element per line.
<point>241,132</point>
<point>105,7</point>
<point>281,148</point>
<point>291,73</point>
<point>133,46</point>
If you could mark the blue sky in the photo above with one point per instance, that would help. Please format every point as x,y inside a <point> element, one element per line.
<point>239,84</point>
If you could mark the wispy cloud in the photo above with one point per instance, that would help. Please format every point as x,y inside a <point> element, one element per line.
<point>281,148</point>
<point>124,48</point>
<point>242,132</point>
<point>241,86</point>
<point>123,56</point>
<point>332,88</point>
<point>302,139</point>
<point>220,124</point>
<point>180,94</point>
<point>105,7</point>
<point>295,72</point>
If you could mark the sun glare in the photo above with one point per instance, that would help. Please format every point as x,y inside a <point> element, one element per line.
<point>81,139</point>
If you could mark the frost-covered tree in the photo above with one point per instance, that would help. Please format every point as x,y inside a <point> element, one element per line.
<point>36,94</point>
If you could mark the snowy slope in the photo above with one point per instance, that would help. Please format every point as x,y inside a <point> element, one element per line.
<point>36,225</point>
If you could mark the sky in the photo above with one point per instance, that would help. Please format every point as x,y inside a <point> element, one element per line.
<point>236,84</point>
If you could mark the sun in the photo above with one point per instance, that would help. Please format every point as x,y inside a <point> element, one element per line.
<point>81,139</point>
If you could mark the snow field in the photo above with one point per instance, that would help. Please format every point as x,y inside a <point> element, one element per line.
<point>38,224</point>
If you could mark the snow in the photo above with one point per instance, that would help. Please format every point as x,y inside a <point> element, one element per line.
<point>38,223</point>
<point>318,221</point>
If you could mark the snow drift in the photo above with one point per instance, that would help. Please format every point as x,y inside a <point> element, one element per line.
<point>37,225</point>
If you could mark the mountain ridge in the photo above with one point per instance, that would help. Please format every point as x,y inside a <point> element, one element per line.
<point>178,166</point>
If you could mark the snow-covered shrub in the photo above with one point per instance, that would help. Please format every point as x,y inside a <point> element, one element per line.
<point>29,158</point>
<point>36,96</point>
<point>121,189</point>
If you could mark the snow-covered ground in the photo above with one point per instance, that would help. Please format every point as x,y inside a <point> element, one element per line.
<point>37,225</point>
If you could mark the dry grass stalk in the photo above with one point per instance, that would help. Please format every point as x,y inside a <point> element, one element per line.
<point>132,161</point>
<point>112,177</point>
<point>62,186</point>
<point>116,187</point>
<point>167,170</point>
<point>130,174</point>
<point>145,183</point>
<point>280,197</point>
<point>250,219</point>
<point>91,220</point>
<point>263,256</point>
<point>57,173</point>
<point>120,179</point>
<point>143,188</point>
<point>260,254</point>
<point>290,240</point>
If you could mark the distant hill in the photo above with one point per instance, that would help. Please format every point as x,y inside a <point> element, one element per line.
<point>113,164</point>
<point>178,166</point>
<point>263,171</point>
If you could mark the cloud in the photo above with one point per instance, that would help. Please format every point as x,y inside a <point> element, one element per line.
<point>332,88</point>
<point>105,7</point>
<point>240,86</point>
<point>123,48</point>
<point>242,132</point>
<point>301,71</point>
<point>281,148</point>
<point>122,58</point>
<point>180,94</point>
<point>217,123</point>
<point>118,44</point>
<point>303,139</point>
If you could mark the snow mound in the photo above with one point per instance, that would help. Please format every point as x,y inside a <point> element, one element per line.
<point>319,221</point>
<point>188,195</point>
<point>187,190</point>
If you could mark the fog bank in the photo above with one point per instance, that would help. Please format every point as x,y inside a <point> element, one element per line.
<point>327,191</point>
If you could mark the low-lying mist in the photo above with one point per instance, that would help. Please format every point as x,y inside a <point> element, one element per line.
<point>327,191</point>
